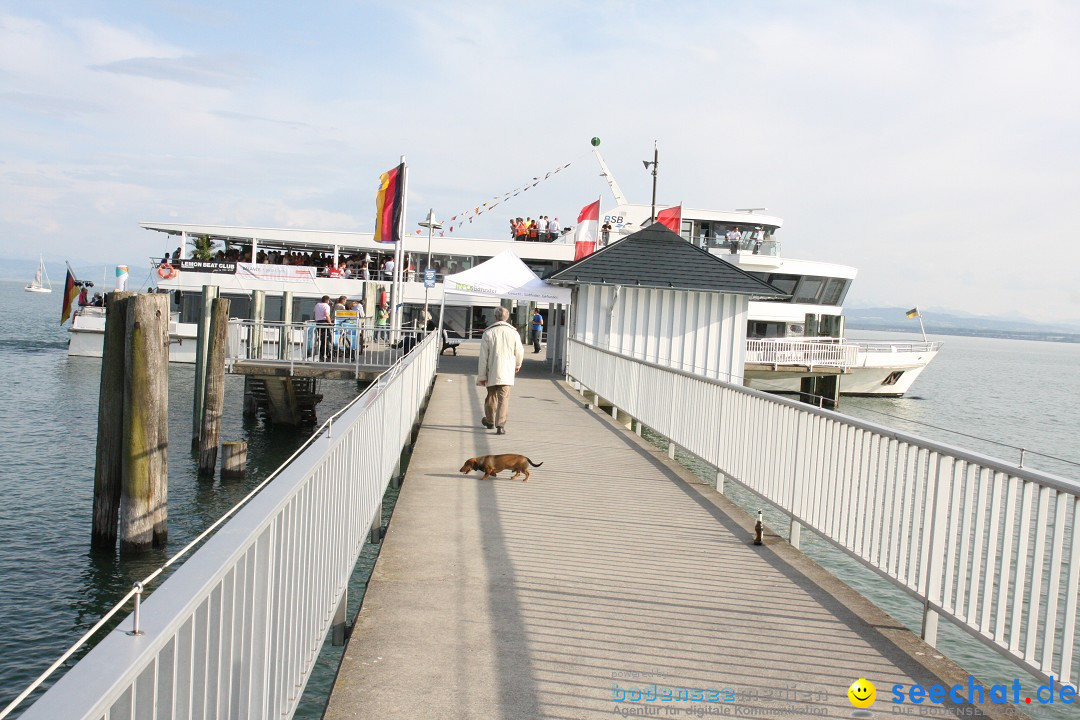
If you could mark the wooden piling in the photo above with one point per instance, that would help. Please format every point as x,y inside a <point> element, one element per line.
<point>144,495</point>
<point>108,467</point>
<point>209,292</point>
<point>215,387</point>
<point>234,459</point>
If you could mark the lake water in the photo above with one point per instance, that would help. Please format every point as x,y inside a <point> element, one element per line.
<point>1004,394</point>
<point>52,587</point>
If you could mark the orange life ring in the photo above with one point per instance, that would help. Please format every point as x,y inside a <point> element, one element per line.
<point>166,271</point>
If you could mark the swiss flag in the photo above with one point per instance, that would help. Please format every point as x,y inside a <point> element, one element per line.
<point>671,218</point>
<point>585,237</point>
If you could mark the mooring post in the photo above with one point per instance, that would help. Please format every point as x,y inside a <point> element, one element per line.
<point>144,494</point>
<point>234,459</point>
<point>108,467</point>
<point>215,387</point>
<point>209,292</point>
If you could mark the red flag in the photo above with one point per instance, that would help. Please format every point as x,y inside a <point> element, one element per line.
<point>585,237</point>
<point>389,203</point>
<point>671,218</point>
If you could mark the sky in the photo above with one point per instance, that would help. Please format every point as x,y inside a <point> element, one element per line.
<point>932,145</point>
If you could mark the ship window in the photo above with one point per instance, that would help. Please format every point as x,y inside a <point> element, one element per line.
<point>835,290</point>
<point>784,283</point>
<point>758,329</point>
<point>809,290</point>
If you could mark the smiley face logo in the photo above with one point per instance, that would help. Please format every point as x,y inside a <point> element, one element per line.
<point>862,693</point>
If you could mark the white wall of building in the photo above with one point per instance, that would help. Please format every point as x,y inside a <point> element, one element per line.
<point>699,332</point>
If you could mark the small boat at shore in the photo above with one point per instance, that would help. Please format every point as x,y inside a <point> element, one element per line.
<point>40,283</point>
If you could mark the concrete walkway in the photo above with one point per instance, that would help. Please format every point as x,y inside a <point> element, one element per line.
<point>612,569</point>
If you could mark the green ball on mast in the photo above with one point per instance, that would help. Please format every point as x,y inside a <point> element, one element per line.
<point>595,142</point>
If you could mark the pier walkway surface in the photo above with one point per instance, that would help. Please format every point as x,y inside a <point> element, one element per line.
<point>611,570</point>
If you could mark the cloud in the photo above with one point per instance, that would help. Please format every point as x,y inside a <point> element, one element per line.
<point>191,70</point>
<point>247,118</point>
<point>49,105</point>
<point>929,144</point>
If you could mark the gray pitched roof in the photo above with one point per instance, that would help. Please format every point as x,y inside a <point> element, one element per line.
<point>656,257</point>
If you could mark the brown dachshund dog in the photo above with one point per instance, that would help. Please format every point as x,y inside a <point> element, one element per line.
<point>492,464</point>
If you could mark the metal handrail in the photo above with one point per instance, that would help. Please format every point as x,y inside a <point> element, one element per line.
<point>302,343</point>
<point>969,536</point>
<point>421,362</point>
<point>889,346</point>
<point>799,352</point>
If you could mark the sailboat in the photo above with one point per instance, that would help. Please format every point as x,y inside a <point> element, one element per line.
<point>36,284</point>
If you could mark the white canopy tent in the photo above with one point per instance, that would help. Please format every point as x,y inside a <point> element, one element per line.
<point>505,275</point>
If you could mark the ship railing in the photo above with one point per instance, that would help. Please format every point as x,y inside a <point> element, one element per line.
<point>308,343</point>
<point>989,545</point>
<point>885,346</point>
<point>236,630</point>
<point>782,351</point>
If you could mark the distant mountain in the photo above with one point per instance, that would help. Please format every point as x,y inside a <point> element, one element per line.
<point>953,322</point>
<point>24,270</point>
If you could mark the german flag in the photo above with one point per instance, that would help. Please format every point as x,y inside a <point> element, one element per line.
<point>389,203</point>
<point>912,313</point>
<point>71,291</point>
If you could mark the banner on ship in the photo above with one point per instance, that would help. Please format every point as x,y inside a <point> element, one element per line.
<point>277,273</point>
<point>209,266</point>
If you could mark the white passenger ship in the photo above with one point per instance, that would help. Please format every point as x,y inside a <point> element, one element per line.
<point>802,335</point>
<point>787,339</point>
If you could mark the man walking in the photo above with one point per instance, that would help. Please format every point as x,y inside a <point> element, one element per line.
<point>537,330</point>
<point>501,355</point>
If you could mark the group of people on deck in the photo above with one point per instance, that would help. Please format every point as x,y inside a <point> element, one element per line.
<point>539,230</point>
<point>328,314</point>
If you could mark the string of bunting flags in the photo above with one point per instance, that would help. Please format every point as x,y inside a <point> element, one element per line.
<point>467,216</point>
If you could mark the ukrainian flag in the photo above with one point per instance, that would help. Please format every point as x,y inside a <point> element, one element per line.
<point>913,312</point>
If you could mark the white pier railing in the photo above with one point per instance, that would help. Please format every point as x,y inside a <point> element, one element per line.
<point>991,546</point>
<point>308,343</point>
<point>236,630</point>
<point>807,353</point>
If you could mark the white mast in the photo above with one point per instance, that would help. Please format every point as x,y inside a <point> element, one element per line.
<point>399,256</point>
<point>606,174</point>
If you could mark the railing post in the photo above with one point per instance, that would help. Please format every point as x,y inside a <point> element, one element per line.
<point>376,524</point>
<point>795,529</point>
<point>938,533</point>
<point>135,629</point>
<point>340,625</point>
